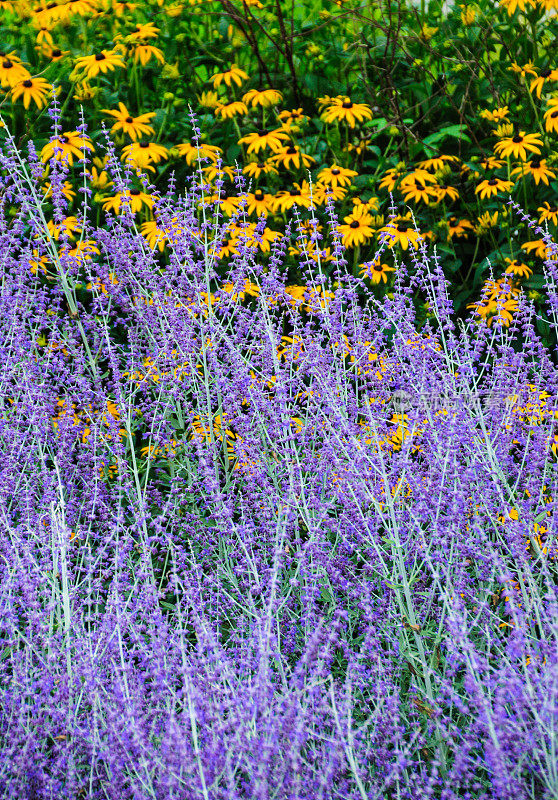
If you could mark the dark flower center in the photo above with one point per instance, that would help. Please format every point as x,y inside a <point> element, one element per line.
<point>7,64</point>
<point>378,268</point>
<point>336,171</point>
<point>454,223</point>
<point>294,193</point>
<point>492,182</point>
<point>535,164</point>
<point>63,139</point>
<point>355,224</point>
<point>134,192</point>
<point>56,53</point>
<point>517,264</point>
<point>258,194</point>
<point>291,150</point>
<point>262,132</point>
<point>419,186</point>
<point>347,104</point>
<point>554,115</point>
<point>402,228</point>
<point>100,57</point>
<point>546,73</point>
<point>260,165</point>
<point>129,120</point>
<point>144,145</point>
<point>28,84</point>
<point>517,139</point>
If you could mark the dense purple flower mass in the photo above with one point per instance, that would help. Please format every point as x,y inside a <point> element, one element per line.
<point>259,547</point>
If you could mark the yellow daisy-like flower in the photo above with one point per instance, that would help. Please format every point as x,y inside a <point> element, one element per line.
<point>137,199</point>
<point>208,99</point>
<point>255,169</point>
<point>445,193</point>
<point>232,75</point>
<point>544,77</point>
<point>485,222</point>
<point>103,62</point>
<point>264,98</point>
<point>69,226</point>
<point>133,126</point>
<point>322,192</point>
<point>99,179</point>
<point>523,71</point>
<point>548,213</point>
<point>372,204</point>
<point>496,115</point>
<point>551,119</point>
<point>468,15</point>
<point>215,171</point>
<point>230,110</point>
<point>157,236</point>
<point>342,109</point>
<point>437,163</point>
<point>391,177</point>
<point>357,229</point>
<point>263,139</point>
<point>36,89</point>
<point>415,189</point>
<point>299,195</point>
<point>489,188</point>
<point>519,145</point>
<point>512,5</point>
<point>537,169</point>
<point>517,268</point>
<point>336,176</point>
<point>539,248</point>
<point>191,152</point>
<point>400,232</point>
<point>68,145</point>
<point>227,204</point>
<point>145,30</point>
<point>375,271</point>
<point>142,154</point>
<point>459,228</point>
<point>292,155</point>
<point>67,190</point>
<point>143,53</point>
<point>259,203</point>
<point>291,120</point>
<point>12,72</point>
<point>490,162</point>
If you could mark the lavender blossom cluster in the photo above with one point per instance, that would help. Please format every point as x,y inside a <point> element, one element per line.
<point>232,566</point>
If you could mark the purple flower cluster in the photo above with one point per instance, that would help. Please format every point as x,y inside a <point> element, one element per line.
<point>233,565</point>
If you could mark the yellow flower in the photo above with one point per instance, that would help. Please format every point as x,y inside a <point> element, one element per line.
<point>292,155</point>
<point>105,61</point>
<point>12,72</point>
<point>496,114</point>
<point>193,152</point>
<point>505,129</point>
<point>468,15</point>
<point>321,193</point>
<point>400,232</point>
<point>518,145</point>
<point>68,145</point>
<point>459,228</point>
<point>540,81</point>
<point>517,268</point>
<point>415,189</point>
<point>85,93</point>
<point>488,188</point>
<point>512,5</point>
<point>286,199</point>
<point>136,198</point>
<point>143,53</point>
<point>230,110</point>
<point>141,154</point>
<point>133,126</point>
<point>344,110</point>
<point>548,212</point>
<point>232,75</point>
<point>391,177</point>
<point>537,169</point>
<point>485,222</point>
<point>255,169</point>
<point>264,98</point>
<point>70,226</point>
<point>375,271</point>
<point>208,99</point>
<point>551,119</point>
<point>336,176</point>
<point>259,203</point>
<point>67,190</point>
<point>36,89</point>
<point>357,229</point>
<point>262,139</point>
<point>145,30</point>
<point>227,204</point>
<point>539,248</point>
<point>437,163</point>
<point>526,69</point>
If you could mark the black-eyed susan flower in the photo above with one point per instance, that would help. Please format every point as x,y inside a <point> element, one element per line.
<point>291,156</point>
<point>376,271</point>
<point>400,232</point>
<point>391,177</point>
<point>459,228</point>
<point>491,187</point>
<point>103,62</point>
<point>142,154</point>
<point>490,162</point>
<point>208,99</point>
<point>287,198</point>
<point>228,204</point>
<point>229,76</point>
<point>343,109</point>
<point>84,92</point>
<point>36,89</point>
<point>517,268</point>
<point>545,76</point>
<point>255,169</point>
<point>143,53</point>
<point>416,189</point>
<point>54,54</point>
<point>259,203</point>
<point>292,120</point>
<point>486,222</point>
<point>537,169</point>
<point>336,176</point>
<point>372,204</point>
<point>445,193</point>
<point>67,190</point>
<point>215,171</point>
<point>548,213</point>
<point>504,130</point>
<point>192,151</point>
<point>512,5</point>
<point>468,15</point>
<point>437,163</point>
<point>127,123</point>
<point>551,116</point>
<point>263,139</point>
<point>496,114</point>
<point>229,110</point>
<point>359,147</point>
<point>262,97</point>
<point>322,192</point>
<point>143,30</point>
<point>519,145</point>
<point>12,72</point>
<point>357,229</point>
<point>99,179</point>
<point>69,226</point>
<point>134,197</point>
<point>539,248</point>
<point>67,146</point>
